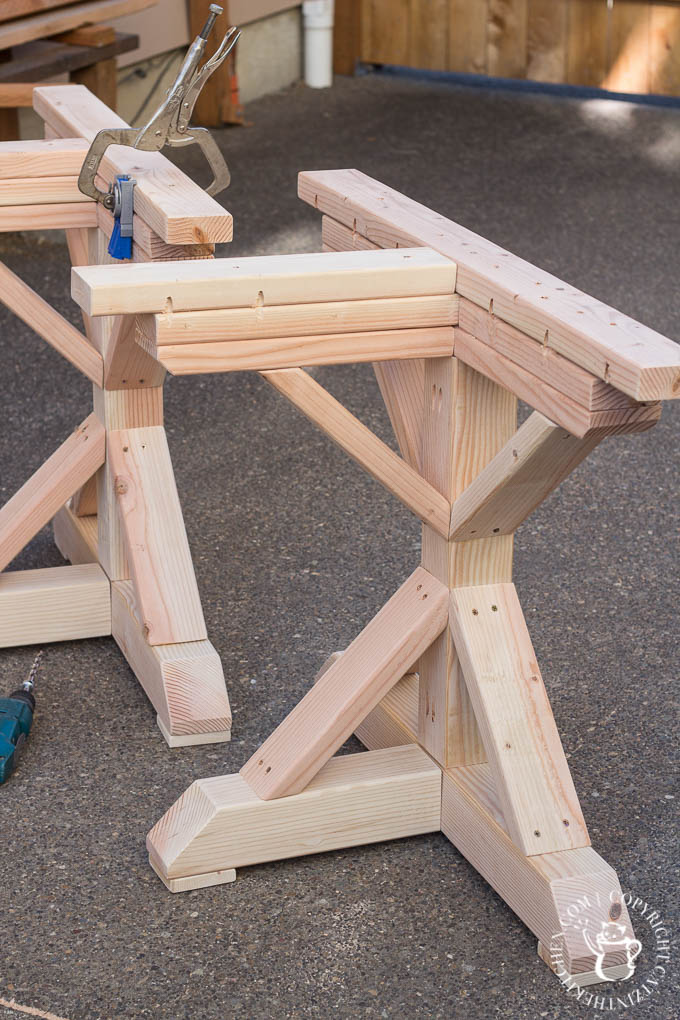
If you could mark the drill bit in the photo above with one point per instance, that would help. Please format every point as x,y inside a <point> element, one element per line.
<point>29,683</point>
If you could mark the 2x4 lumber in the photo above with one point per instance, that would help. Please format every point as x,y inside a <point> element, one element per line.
<point>47,217</point>
<point>51,22</point>
<point>50,325</point>
<point>15,95</point>
<point>176,208</point>
<point>40,191</point>
<point>524,473</point>
<point>41,157</point>
<point>42,61</point>
<point>36,502</point>
<point>184,682</point>
<point>293,352</point>
<point>354,799</point>
<point>147,246</point>
<point>633,358</point>
<point>156,541</point>
<point>310,319</point>
<point>84,501</point>
<point>467,419</point>
<point>127,364</point>
<point>54,604</point>
<point>401,382</point>
<point>564,411</point>
<point>19,8</point>
<point>363,446</point>
<point>549,366</point>
<point>261,280</point>
<point>539,889</point>
<point>75,537</point>
<point>319,724</point>
<point>513,713</point>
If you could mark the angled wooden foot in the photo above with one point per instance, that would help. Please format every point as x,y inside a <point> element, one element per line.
<point>219,824</point>
<point>184,681</point>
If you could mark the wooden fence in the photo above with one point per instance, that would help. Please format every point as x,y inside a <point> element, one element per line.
<point>621,45</point>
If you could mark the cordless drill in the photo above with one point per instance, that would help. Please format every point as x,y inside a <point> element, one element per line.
<point>16,718</point>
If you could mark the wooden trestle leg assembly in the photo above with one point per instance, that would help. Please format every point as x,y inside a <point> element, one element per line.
<point>122,528</point>
<point>442,686</point>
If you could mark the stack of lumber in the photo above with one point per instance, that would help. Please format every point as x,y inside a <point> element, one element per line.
<point>23,21</point>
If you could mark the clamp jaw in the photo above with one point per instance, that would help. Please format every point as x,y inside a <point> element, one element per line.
<point>169,124</point>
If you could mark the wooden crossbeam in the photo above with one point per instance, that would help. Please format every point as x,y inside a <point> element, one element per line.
<point>84,501</point>
<point>176,208</point>
<point>222,824</point>
<point>40,191</point>
<point>543,362</point>
<point>50,325</point>
<point>41,157</point>
<point>54,604</point>
<point>292,352</point>
<point>362,445</point>
<point>513,713</point>
<point>157,547</point>
<point>184,681</point>
<point>575,418</point>
<point>63,216</point>
<point>47,490</point>
<point>633,358</point>
<point>261,280</point>
<point>147,246</point>
<point>406,625</point>
<point>75,537</point>
<point>520,477</point>
<point>311,319</point>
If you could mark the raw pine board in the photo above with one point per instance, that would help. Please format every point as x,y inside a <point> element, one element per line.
<point>48,23</point>
<point>632,47</point>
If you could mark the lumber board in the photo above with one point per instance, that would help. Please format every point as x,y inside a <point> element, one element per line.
<point>633,358</point>
<point>147,246</point>
<point>539,889</point>
<point>355,799</point>
<point>176,208</point>
<point>34,64</point>
<point>312,319</point>
<point>15,95</point>
<point>129,409</point>
<point>41,191</point>
<point>127,363</point>
<point>467,419</point>
<point>519,478</point>
<point>261,280</point>
<point>401,382</point>
<point>84,501</point>
<point>319,724</point>
<point>184,682</point>
<point>41,157</point>
<point>50,325</point>
<point>575,418</point>
<point>54,604</point>
<point>156,542</point>
<point>39,499</point>
<point>512,710</point>
<point>293,352</point>
<point>75,537</point>
<point>62,216</point>
<point>544,363</point>
<point>21,8</point>
<point>363,446</point>
<point>51,22</point>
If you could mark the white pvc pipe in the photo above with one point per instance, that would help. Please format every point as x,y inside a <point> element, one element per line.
<point>317,20</point>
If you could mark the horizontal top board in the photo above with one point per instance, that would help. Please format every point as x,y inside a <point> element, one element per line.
<point>261,280</point>
<point>42,157</point>
<point>634,359</point>
<point>176,208</point>
<point>40,25</point>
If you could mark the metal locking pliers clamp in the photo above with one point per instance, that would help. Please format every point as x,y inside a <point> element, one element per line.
<point>170,123</point>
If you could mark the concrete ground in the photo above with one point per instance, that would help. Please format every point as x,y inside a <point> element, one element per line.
<point>295,549</point>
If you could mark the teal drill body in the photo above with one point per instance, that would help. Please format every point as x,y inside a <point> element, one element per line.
<point>16,719</point>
